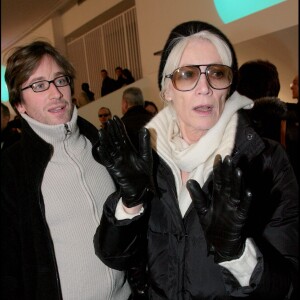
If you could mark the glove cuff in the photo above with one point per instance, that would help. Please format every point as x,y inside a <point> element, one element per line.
<point>219,258</point>
<point>145,196</point>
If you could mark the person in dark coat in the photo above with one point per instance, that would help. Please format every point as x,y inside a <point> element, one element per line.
<point>10,130</point>
<point>259,80</point>
<point>53,190</point>
<point>293,127</point>
<point>135,116</point>
<point>121,79</point>
<point>268,116</point>
<point>86,96</point>
<point>109,85</point>
<point>212,209</point>
<point>151,107</point>
<point>128,76</point>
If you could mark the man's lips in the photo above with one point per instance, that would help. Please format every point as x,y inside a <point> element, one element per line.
<point>56,109</point>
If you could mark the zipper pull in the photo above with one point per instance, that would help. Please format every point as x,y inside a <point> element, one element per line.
<point>68,131</point>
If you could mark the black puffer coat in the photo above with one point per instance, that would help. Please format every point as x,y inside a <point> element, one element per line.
<point>177,260</point>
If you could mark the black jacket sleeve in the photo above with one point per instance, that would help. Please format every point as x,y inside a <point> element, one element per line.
<point>121,244</point>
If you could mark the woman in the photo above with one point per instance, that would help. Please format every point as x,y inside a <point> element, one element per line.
<point>207,236</point>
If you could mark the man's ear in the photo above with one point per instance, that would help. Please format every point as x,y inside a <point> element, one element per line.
<point>20,107</point>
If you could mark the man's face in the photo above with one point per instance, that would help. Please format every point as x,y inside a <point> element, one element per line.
<point>103,115</point>
<point>4,120</point>
<point>295,88</point>
<point>52,106</point>
<point>118,72</point>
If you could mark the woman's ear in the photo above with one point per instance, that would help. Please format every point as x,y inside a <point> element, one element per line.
<point>168,94</point>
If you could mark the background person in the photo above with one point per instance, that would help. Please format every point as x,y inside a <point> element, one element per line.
<point>10,131</point>
<point>53,190</point>
<point>108,84</point>
<point>293,128</point>
<point>151,107</point>
<point>259,80</point>
<point>128,76</point>
<point>223,222</point>
<point>86,96</point>
<point>104,114</point>
<point>121,79</point>
<point>294,86</point>
<point>135,116</point>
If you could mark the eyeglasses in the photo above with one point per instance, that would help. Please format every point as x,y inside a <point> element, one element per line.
<point>185,78</point>
<point>44,85</point>
<point>103,115</point>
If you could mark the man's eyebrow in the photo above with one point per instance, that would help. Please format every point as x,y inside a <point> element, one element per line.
<point>41,78</point>
<point>37,79</point>
<point>60,73</point>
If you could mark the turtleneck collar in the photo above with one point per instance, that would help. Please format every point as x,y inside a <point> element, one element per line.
<point>54,134</point>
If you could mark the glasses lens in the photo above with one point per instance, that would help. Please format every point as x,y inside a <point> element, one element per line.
<point>40,86</point>
<point>185,78</point>
<point>62,81</point>
<point>219,76</point>
<point>104,115</point>
<point>43,85</point>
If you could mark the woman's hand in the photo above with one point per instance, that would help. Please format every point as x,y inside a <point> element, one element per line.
<point>224,213</point>
<point>131,169</point>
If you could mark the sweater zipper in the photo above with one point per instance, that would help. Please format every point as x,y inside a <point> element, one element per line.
<point>68,131</point>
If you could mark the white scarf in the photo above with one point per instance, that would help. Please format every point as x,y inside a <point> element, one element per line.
<point>196,159</point>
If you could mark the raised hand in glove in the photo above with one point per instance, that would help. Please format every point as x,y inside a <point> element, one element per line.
<point>131,169</point>
<point>224,213</point>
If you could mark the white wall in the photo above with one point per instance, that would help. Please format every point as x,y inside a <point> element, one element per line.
<point>44,32</point>
<point>156,19</point>
<point>270,34</point>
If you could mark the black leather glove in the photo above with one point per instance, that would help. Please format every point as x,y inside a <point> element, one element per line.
<point>131,170</point>
<point>224,213</point>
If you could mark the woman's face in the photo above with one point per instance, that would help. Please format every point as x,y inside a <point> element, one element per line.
<point>197,110</point>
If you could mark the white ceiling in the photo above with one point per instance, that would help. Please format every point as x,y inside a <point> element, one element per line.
<point>19,17</point>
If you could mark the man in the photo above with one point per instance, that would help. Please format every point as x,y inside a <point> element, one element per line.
<point>121,79</point>
<point>108,84</point>
<point>5,116</point>
<point>135,116</point>
<point>292,127</point>
<point>86,95</point>
<point>104,114</point>
<point>295,88</point>
<point>53,191</point>
<point>9,133</point>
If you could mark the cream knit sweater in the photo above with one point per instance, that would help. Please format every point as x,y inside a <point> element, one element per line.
<point>74,189</point>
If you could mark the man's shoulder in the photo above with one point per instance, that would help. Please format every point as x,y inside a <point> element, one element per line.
<point>87,129</point>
